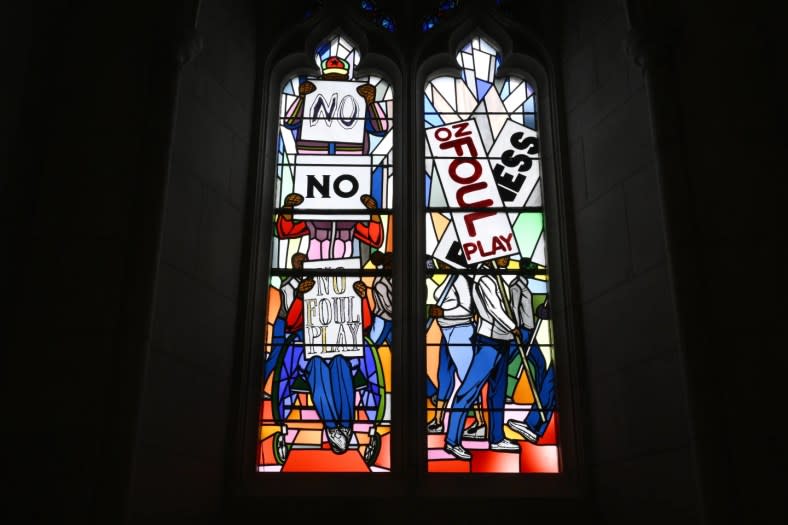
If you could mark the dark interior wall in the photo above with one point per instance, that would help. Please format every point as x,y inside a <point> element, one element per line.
<point>123,209</point>
<point>722,156</point>
<point>90,87</point>
<point>640,452</point>
<point>181,440</point>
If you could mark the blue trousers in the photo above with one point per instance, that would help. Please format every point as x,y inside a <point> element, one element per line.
<point>454,356</point>
<point>544,384</point>
<point>331,383</point>
<point>431,388</point>
<point>277,343</point>
<point>381,331</point>
<point>489,363</point>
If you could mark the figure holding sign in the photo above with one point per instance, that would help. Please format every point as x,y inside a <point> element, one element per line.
<point>330,378</point>
<point>330,239</point>
<point>328,120</point>
<point>328,113</point>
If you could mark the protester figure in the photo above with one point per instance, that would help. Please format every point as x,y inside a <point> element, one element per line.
<point>495,330</point>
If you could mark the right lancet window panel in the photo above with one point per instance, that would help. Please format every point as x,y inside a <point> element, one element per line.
<point>491,392</point>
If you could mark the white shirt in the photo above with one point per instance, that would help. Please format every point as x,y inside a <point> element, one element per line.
<point>522,306</point>
<point>457,304</point>
<point>493,321</point>
<point>289,289</point>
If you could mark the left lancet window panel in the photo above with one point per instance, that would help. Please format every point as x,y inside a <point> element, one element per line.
<point>326,399</point>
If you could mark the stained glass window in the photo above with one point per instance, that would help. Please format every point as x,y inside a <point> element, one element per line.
<point>327,370</point>
<point>491,403</point>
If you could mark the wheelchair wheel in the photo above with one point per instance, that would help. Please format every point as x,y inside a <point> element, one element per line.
<point>286,372</point>
<point>280,448</point>
<point>373,393</point>
<point>373,449</point>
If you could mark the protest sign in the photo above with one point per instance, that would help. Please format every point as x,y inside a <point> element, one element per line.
<point>332,182</point>
<point>334,112</point>
<point>468,182</point>
<point>332,313</point>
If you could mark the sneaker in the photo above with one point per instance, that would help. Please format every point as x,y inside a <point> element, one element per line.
<point>522,429</point>
<point>435,427</point>
<point>475,432</point>
<point>505,445</point>
<point>457,451</point>
<point>337,440</point>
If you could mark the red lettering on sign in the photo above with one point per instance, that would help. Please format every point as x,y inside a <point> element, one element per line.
<point>457,144</point>
<point>460,127</point>
<point>471,218</point>
<point>456,163</point>
<point>462,192</point>
<point>443,136</point>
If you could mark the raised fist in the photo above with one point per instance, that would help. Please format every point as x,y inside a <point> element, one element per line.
<point>360,288</point>
<point>368,92</point>
<point>306,88</point>
<point>293,199</point>
<point>369,201</point>
<point>543,311</point>
<point>435,311</point>
<point>306,285</point>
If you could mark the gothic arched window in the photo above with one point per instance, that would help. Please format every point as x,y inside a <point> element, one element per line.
<point>327,372</point>
<point>490,368</point>
<point>438,344</point>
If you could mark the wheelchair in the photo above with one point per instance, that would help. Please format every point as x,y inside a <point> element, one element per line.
<point>290,388</point>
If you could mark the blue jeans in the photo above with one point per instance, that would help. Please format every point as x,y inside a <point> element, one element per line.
<point>454,356</point>
<point>277,343</point>
<point>331,383</point>
<point>488,365</point>
<point>381,331</point>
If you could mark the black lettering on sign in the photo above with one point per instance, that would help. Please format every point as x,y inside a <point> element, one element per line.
<point>348,120</point>
<point>348,111</point>
<point>456,255</point>
<point>312,184</point>
<point>321,109</point>
<point>530,144</point>
<point>510,184</point>
<point>353,186</point>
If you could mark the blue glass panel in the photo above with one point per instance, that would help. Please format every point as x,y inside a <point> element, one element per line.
<point>505,90</point>
<point>429,114</point>
<point>427,187</point>
<point>377,184</point>
<point>530,120</point>
<point>324,48</point>
<point>482,87</point>
<point>529,105</point>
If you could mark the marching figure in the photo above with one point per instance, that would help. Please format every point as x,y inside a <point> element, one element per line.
<point>495,330</point>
